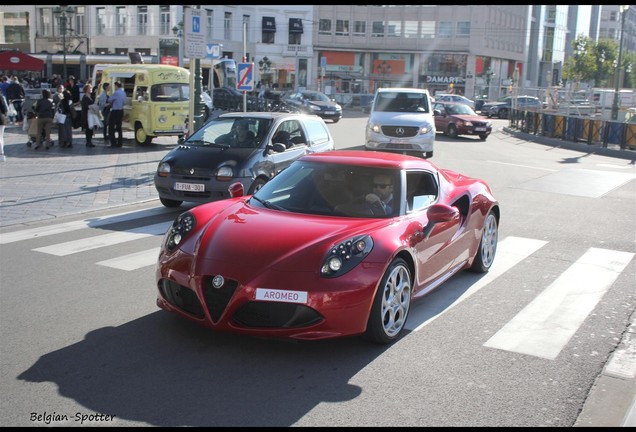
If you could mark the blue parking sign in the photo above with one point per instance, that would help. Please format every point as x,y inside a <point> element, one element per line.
<point>245,76</point>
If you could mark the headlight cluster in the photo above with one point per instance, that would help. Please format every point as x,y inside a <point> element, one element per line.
<point>426,129</point>
<point>345,256</point>
<point>224,173</point>
<point>182,225</point>
<point>164,169</point>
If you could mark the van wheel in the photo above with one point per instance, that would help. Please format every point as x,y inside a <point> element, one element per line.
<point>141,138</point>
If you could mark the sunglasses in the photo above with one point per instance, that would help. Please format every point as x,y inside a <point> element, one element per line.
<point>381,186</point>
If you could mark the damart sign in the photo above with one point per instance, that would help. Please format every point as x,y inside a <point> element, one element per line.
<point>440,79</point>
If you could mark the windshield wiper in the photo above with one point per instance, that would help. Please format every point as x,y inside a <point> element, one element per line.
<point>269,204</point>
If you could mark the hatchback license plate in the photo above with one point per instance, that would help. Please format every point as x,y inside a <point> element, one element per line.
<point>480,129</point>
<point>189,187</point>
<point>330,112</point>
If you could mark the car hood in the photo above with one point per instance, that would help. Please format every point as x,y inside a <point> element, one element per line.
<point>489,104</point>
<point>243,238</point>
<point>397,118</point>
<point>185,156</point>
<point>468,117</point>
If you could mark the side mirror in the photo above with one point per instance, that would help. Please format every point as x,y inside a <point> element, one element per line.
<point>277,147</point>
<point>439,213</point>
<point>437,113</point>
<point>236,190</point>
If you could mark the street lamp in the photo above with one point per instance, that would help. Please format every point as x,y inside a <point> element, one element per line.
<point>623,11</point>
<point>177,30</point>
<point>62,10</point>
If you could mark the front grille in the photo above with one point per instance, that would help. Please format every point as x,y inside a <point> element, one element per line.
<point>217,299</point>
<point>276,315</point>
<point>196,174</point>
<point>401,146</point>
<point>409,131</point>
<point>182,297</point>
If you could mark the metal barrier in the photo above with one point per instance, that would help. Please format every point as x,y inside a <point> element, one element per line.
<point>593,131</point>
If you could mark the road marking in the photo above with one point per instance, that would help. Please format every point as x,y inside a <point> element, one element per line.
<point>545,325</point>
<point>133,261</point>
<point>510,252</point>
<point>522,166</point>
<point>48,230</point>
<point>90,243</point>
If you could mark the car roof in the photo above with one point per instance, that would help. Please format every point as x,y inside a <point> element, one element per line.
<point>376,159</point>
<point>401,89</point>
<point>265,115</point>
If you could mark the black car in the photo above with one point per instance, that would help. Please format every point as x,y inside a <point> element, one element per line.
<point>250,148</point>
<point>314,102</point>
<point>502,107</point>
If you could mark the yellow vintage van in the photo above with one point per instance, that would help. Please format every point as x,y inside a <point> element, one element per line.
<point>157,98</point>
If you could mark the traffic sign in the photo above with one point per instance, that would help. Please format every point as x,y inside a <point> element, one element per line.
<point>245,76</point>
<point>214,51</point>
<point>195,28</point>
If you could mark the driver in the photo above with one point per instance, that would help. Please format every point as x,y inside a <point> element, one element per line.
<point>381,199</point>
<point>244,136</point>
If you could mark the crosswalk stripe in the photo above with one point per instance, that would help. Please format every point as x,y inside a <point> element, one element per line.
<point>547,323</point>
<point>48,230</point>
<point>133,261</point>
<point>86,244</point>
<point>510,252</point>
<point>31,233</point>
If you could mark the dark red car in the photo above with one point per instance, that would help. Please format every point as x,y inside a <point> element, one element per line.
<point>311,255</point>
<point>454,119</point>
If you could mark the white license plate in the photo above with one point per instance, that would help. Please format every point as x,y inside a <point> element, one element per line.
<point>399,140</point>
<point>177,127</point>
<point>284,296</point>
<point>480,129</point>
<point>330,112</point>
<point>189,187</point>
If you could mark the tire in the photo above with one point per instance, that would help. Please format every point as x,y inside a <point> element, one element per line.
<point>336,120</point>
<point>141,138</point>
<point>170,203</point>
<point>485,255</point>
<point>391,304</point>
<point>483,137</point>
<point>256,185</point>
<point>452,131</point>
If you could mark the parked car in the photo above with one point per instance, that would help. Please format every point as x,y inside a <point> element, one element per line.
<point>314,102</point>
<point>502,107</point>
<point>308,257</point>
<point>454,119</point>
<point>401,121</point>
<point>480,100</point>
<point>454,98</point>
<point>200,169</point>
<point>227,98</point>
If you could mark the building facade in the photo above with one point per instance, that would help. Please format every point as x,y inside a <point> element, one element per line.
<point>478,50</point>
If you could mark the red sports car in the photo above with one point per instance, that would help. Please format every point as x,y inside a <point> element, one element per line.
<point>337,244</point>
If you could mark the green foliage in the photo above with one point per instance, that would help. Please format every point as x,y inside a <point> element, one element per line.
<point>594,62</point>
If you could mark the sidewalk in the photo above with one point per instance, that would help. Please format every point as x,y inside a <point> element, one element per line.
<point>46,184</point>
<point>37,185</point>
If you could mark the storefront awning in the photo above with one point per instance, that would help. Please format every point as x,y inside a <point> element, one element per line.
<point>295,25</point>
<point>269,24</point>
<point>15,60</point>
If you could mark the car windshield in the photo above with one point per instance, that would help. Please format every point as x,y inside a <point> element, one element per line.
<point>401,102</point>
<point>316,97</point>
<point>170,92</point>
<point>331,190</point>
<point>232,132</point>
<point>460,109</point>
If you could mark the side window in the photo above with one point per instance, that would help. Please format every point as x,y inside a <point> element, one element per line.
<point>317,131</point>
<point>421,190</point>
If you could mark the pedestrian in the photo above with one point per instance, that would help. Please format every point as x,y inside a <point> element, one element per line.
<point>3,123</point>
<point>59,94</point>
<point>65,129</point>
<point>44,111</point>
<point>116,102</point>
<point>15,96</point>
<point>86,102</point>
<point>4,83</point>
<point>73,87</point>
<point>104,107</point>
